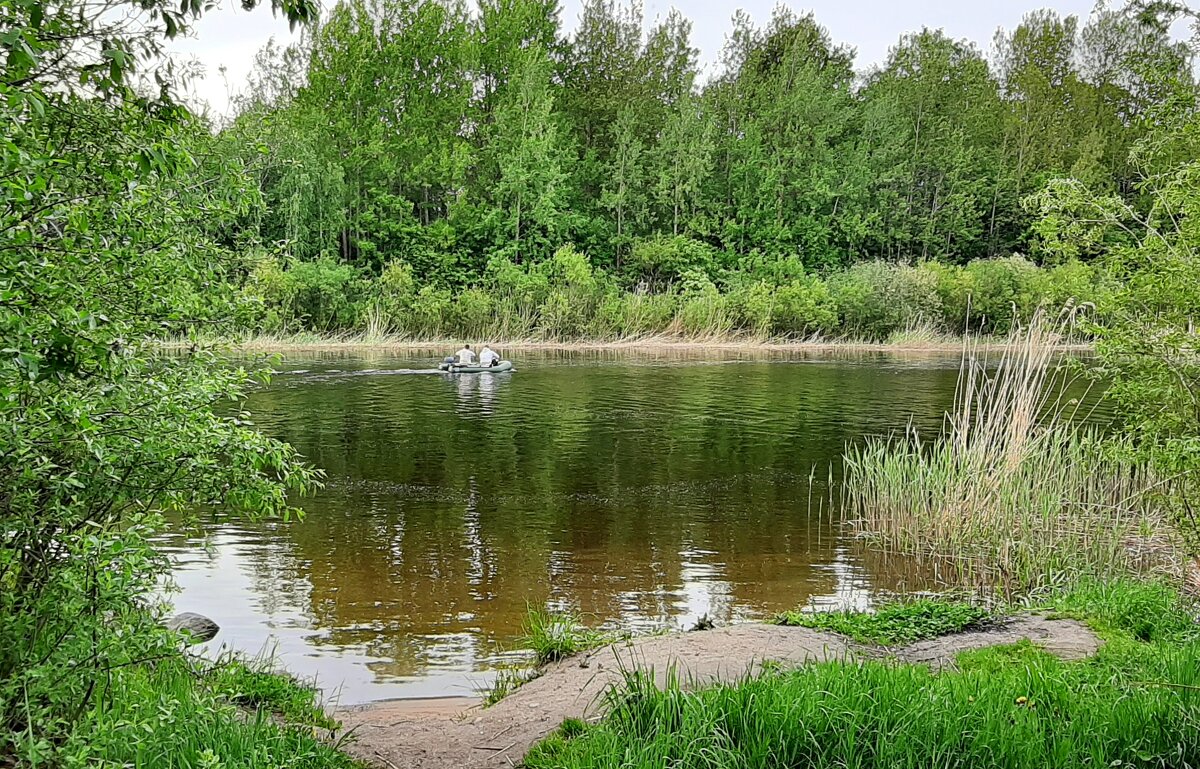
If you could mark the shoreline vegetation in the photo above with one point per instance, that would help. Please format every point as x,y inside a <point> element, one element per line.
<point>568,300</point>
<point>314,342</point>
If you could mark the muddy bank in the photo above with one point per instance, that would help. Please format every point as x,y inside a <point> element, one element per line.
<point>460,734</point>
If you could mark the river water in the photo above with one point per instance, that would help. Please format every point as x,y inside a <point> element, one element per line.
<point>640,490</point>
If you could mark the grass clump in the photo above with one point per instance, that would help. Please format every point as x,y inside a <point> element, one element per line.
<point>1148,611</point>
<point>1136,703</point>
<point>1014,490</point>
<point>507,681</point>
<point>894,624</point>
<point>256,685</point>
<point>232,715</point>
<point>554,636</point>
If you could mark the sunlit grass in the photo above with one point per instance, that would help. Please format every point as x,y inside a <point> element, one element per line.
<point>1136,703</point>
<point>234,714</point>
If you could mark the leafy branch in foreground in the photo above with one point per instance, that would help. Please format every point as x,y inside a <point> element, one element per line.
<point>1149,349</point>
<point>108,236</point>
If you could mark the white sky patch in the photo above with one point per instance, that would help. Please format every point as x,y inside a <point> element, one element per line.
<point>229,37</point>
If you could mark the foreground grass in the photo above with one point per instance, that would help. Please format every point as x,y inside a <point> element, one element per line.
<point>1136,703</point>
<point>895,624</point>
<point>235,714</point>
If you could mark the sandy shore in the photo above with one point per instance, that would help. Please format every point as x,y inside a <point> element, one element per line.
<point>459,733</point>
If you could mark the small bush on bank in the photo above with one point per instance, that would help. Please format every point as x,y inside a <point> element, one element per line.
<point>659,262</point>
<point>803,306</point>
<point>875,299</point>
<point>895,624</point>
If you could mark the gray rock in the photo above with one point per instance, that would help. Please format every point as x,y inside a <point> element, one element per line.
<point>195,627</point>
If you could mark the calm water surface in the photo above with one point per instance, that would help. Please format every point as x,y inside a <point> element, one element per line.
<point>642,491</point>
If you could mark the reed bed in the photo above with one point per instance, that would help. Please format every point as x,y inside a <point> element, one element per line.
<point>302,341</point>
<point>1016,490</point>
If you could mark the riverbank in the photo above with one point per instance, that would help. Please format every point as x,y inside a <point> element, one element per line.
<point>915,343</point>
<point>1118,660</point>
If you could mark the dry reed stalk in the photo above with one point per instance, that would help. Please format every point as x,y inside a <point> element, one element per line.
<point>1014,483</point>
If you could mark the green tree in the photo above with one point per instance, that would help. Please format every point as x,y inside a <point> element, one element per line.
<point>931,117</point>
<point>622,192</point>
<point>1147,347</point>
<point>682,162</point>
<point>530,194</point>
<point>788,108</point>
<point>108,236</point>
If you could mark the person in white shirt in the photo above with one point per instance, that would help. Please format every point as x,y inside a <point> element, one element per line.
<point>488,357</point>
<point>465,357</point>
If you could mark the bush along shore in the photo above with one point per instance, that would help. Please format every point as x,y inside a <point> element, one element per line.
<point>566,298</point>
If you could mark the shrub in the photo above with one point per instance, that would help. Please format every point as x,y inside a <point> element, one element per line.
<point>659,262</point>
<point>752,303</point>
<point>702,308</point>
<point>575,294</point>
<point>637,313</point>
<point>472,314</point>
<point>325,294</point>
<point>431,311</point>
<point>803,306</point>
<point>394,293</point>
<point>1001,291</point>
<point>267,304</point>
<point>1077,284</point>
<point>875,299</point>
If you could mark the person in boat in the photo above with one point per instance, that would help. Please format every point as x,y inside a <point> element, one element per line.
<point>464,357</point>
<point>488,357</point>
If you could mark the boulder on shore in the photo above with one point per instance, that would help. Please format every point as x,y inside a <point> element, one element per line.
<point>196,628</point>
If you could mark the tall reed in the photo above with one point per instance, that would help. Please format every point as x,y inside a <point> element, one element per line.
<point>1015,489</point>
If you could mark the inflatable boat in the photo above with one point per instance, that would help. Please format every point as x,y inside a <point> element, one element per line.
<point>454,368</point>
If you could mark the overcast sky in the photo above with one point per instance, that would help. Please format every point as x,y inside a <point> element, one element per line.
<point>229,37</point>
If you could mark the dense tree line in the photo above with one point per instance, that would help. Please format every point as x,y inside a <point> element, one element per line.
<point>449,137</point>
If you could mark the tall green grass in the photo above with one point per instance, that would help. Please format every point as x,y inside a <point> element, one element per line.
<point>1014,490</point>
<point>556,635</point>
<point>234,715</point>
<point>1136,704</point>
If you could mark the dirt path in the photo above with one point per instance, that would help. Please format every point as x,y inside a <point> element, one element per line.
<point>459,734</point>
